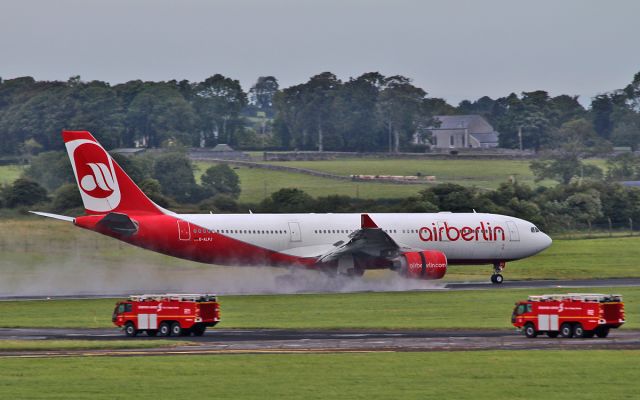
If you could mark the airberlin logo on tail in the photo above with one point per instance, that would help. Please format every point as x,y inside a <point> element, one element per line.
<point>95,174</point>
<point>484,232</point>
<point>100,178</point>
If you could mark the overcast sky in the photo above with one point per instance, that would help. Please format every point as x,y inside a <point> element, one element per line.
<point>453,49</point>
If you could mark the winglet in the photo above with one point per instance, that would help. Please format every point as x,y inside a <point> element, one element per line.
<point>366,222</point>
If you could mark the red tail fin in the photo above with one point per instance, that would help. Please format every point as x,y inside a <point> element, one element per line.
<point>103,185</point>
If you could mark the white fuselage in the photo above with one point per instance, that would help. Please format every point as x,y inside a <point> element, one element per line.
<point>465,238</point>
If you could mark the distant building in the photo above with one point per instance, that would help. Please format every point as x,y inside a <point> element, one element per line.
<point>129,151</point>
<point>222,151</point>
<point>463,131</point>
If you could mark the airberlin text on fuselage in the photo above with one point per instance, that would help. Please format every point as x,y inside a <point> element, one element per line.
<point>484,232</point>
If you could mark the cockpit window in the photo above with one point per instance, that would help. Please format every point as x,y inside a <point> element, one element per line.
<point>534,229</point>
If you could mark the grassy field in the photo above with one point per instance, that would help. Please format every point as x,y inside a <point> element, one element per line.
<point>259,183</point>
<point>22,345</point>
<point>445,375</point>
<point>9,173</point>
<point>488,309</point>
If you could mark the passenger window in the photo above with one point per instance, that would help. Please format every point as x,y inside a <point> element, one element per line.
<point>128,307</point>
<point>521,309</point>
<point>528,307</point>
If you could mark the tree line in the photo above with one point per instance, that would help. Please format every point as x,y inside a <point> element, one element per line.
<point>371,112</point>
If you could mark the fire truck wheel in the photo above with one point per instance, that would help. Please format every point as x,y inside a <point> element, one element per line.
<point>152,332</point>
<point>176,330</point>
<point>530,330</point>
<point>130,329</point>
<point>552,334</point>
<point>602,332</point>
<point>164,329</point>
<point>566,330</point>
<point>198,330</point>
<point>578,330</point>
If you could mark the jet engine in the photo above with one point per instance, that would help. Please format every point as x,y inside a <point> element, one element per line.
<point>427,264</point>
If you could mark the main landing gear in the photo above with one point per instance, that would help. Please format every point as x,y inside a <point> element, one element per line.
<point>497,277</point>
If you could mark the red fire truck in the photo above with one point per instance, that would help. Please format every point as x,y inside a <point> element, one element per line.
<point>167,314</point>
<point>569,315</point>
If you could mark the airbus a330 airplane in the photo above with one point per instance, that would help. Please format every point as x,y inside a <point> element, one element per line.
<point>418,246</point>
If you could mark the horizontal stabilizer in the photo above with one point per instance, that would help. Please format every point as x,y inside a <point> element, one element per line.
<point>54,216</point>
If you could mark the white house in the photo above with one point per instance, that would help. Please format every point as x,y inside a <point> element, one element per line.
<point>463,131</point>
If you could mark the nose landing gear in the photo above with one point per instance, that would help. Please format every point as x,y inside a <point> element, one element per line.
<point>497,277</point>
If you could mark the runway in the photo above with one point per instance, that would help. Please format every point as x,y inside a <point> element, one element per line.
<point>231,341</point>
<point>437,286</point>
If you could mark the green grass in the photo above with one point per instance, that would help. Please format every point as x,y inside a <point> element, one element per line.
<point>24,345</point>
<point>617,257</point>
<point>9,173</point>
<point>259,183</point>
<point>432,375</point>
<point>483,173</point>
<point>487,309</point>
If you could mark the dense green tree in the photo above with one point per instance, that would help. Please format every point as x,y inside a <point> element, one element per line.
<point>24,192</point>
<point>174,172</point>
<point>262,93</point>
<point>221,179</point>
<point>287,201</point>
<point>159,115</point>
<point>624,166</point>
<point>564,168</point>
<point>50,169</point>
<point>219,100</point>
<point>400,107</point>
<point>67,197</point>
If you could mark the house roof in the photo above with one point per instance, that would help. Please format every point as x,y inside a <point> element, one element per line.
<point>474,123</point>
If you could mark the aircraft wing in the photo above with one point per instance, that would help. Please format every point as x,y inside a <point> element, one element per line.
<point>369,239</point>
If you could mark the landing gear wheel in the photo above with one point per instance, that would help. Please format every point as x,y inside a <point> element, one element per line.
<point>176,330</point>
<point>578,331</point>
<point>497,272</point>
<point>552,334</point>
<point>130,329</point>
<point>530,330</point>
<point>164,329</point>
<point>566,330</point>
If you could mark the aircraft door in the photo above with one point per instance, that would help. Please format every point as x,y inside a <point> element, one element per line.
<point>294,230</point>
<point>514,236</point>
<point>184,230</point>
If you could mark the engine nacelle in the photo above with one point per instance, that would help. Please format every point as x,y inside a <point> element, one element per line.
<point>427,264</point>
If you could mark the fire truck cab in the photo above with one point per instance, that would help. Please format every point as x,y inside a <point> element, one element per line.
<point>167,314</point>
<point>569,315</point>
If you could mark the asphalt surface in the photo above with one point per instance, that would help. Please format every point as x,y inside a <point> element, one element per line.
<point>437,286</point>
<point>226,341</point>
<point>541,284</point>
